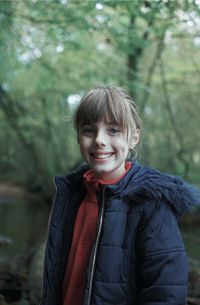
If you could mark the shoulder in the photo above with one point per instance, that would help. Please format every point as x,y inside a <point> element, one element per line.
<point>72,180</point>
<point>165,197</point>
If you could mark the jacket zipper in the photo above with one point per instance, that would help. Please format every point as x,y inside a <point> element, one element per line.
<point>96,247</point>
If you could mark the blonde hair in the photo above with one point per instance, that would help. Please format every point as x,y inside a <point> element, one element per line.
<point>108,103</point>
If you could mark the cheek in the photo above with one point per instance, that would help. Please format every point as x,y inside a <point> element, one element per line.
<point>84,143</point>
<point>122,146</point>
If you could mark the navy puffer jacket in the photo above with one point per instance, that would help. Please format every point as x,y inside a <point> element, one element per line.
<point>138,257</point>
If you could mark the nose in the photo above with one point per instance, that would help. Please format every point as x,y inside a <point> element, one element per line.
<point>100,139</point>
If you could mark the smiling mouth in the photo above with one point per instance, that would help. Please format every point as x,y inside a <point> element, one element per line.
<point>101,156</point>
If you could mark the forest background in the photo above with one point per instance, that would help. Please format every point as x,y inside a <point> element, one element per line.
<point>53,51</point>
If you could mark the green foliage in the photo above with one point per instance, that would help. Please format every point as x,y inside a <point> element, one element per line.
<point>51,50</point>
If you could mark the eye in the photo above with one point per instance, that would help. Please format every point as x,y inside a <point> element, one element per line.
<point>114,130</point>
<point>87,130</point>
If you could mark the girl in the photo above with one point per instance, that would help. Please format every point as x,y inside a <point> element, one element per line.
<point>113,234</point>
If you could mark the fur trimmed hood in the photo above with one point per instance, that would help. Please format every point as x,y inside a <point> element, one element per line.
<point>152,184</point>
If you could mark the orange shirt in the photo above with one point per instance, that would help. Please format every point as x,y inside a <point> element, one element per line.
<point>82,241</point>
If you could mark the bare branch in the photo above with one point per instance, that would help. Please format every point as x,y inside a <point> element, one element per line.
<point>181,153</point>
<point>152,68</point>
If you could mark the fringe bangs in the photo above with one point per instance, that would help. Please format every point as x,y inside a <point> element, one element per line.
<point>107,104</point>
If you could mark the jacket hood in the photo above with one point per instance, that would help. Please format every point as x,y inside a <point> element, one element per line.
<point>152,184</point>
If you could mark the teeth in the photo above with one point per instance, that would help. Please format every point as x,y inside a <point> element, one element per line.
<point>102,156</point>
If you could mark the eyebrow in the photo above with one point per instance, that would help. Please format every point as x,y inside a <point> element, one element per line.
<point>94,123</point>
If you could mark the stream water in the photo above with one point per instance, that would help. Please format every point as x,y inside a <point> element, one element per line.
<point>24,223</point>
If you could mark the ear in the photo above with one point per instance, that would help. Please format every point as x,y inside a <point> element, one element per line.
<point>134,138</point>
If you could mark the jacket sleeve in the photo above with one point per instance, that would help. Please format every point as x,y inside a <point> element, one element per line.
<point>162,269</point>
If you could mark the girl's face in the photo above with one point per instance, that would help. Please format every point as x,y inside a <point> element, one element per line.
<point>104,148</point>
